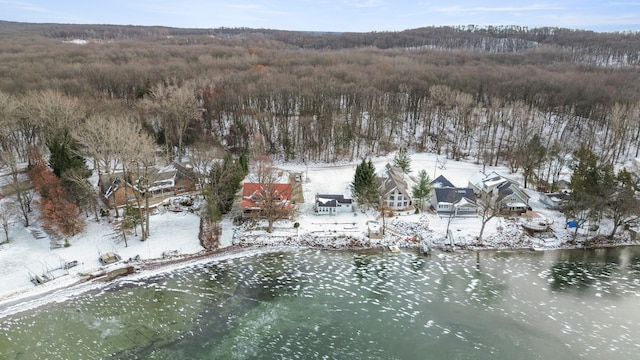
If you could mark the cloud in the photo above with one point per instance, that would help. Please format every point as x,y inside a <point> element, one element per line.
<point>246,6</point>
<point>30,11</point>
<point>487,9</point>
<point>624,3</point>
<point>585,21</point>
<point>363,3</point>
<point>23,5</point>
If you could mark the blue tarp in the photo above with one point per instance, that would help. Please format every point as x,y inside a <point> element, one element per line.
<point>572,224</point>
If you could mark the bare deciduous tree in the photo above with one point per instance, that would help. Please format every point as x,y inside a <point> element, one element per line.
<point>102,139</point>
<point>272,198</point>
<point>82,191</point>
<point>45,115</point>
<point>8,111</point>
<point>21,189</point>
<point>203,156</point>
<point>173,108</point>
<point>6,210</point>
<point>141,155</point>
<point>487,209</point>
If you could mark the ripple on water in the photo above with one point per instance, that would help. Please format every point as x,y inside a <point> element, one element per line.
<point>314,304</point>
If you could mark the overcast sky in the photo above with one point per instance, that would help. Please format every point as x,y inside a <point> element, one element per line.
<point>330,15</point>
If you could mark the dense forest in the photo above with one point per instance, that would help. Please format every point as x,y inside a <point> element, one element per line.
<point>326,97</point>
<point>493,95</point>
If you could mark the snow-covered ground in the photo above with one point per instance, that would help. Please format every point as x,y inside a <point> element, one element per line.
<point>349,229</point>
<point>29,252</point>
<point>176,234</point>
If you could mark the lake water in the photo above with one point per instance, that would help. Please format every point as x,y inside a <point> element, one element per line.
<point>311,304</point>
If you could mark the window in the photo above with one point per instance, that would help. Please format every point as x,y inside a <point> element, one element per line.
<point>181,188</point>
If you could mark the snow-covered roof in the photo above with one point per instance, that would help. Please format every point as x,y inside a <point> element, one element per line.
<point>324,198</point>
<point>373,226</point>
<point>516,204</point>
<point>493,182</point>
<point>397,179</point>
<point>441,182</point>
<point>327,202</point>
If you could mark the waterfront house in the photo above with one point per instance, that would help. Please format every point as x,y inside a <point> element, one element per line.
<point>326,204</point>
<point>395,189</point>
<point>499,191</point>
<point>258,198</point>
<point>452,201</point>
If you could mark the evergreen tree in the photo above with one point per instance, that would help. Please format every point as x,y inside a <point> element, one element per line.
<point>65,156</point>
<point>586,185</point>
<point>623,206</point>
<point>402,160</point>
<point>224,182</point>
<point>244,163</point>
<point>131,218</point>
<point>364,187</point>
<point>422,189</point>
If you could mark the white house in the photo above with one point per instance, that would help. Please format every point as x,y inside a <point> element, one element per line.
<point>504,192</point>
<point>395,189</point>
<point>482,183</point>
<point>332,204</point>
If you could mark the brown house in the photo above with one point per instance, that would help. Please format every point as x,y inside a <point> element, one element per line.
<point>115,191</point>
<point>172,180</point>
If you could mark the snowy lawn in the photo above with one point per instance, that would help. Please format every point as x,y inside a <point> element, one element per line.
<point>26,255</point>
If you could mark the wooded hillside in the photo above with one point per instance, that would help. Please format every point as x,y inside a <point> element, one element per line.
<point>478,93</point>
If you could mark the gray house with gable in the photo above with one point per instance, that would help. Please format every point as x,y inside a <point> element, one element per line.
<point>499,191</point>
<point>448,200</point>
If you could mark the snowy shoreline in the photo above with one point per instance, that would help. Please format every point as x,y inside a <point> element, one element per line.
<point>174,243</point>
<point>60,291</point>
<point>65,288</point>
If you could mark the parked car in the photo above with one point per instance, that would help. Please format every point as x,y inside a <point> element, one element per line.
<point>70,264</point>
